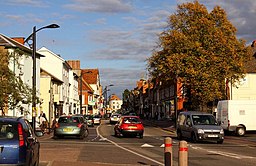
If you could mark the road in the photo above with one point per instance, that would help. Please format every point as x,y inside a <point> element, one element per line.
<point>101,147</point>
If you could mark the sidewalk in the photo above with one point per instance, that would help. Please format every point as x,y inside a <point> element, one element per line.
<point>165,124</point>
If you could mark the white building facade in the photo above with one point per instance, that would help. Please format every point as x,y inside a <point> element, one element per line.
<point>24,70</point>
<point>58,68</point>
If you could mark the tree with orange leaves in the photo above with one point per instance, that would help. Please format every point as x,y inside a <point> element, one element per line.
<point>201,49</point>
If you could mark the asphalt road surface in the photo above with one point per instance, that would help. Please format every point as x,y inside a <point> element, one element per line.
<point>101,147</point>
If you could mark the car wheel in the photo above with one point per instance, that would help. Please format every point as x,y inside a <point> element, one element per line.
<point>240,131</point>
<point>55,136</point>
<point>179,136</point>
<point>193,137</point>
<point>220,141</point>
<point>141,135</point>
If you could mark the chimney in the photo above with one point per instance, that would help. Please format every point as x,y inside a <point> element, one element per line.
<point>19,39</point>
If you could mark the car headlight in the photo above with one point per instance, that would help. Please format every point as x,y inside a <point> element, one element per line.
<point>221,131</point>
<point>200,131</point>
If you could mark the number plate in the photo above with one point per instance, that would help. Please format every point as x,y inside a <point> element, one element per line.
<point>212,136</point>
<point>67,129</point>
<point>132,127</point>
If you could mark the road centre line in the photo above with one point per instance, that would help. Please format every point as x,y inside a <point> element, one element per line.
<point>140,155</point>
<point>233,155</point>
<point>227,154</point>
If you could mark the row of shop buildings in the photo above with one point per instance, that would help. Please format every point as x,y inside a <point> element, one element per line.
<point>160,100</point>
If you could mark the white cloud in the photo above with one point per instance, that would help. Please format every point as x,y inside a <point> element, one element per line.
<point>101,6</point>
<point>34,3</point>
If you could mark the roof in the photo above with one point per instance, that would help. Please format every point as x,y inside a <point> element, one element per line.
<point>250,66</point>
<point>90,75</point>
<point>87,87</point>
<point>11,43</point>
<point>114,97</point>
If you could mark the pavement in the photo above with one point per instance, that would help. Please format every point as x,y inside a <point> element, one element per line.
<point>165,124</point>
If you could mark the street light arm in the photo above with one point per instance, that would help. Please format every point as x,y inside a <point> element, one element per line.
<point>48,26</point>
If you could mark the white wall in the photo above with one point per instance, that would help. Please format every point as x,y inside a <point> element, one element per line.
<point>246,90</point>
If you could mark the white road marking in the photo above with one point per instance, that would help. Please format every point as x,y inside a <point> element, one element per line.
<point>147,146</point>
<point>140,155</point>
<point>227,154</point>
<point>232,155</point>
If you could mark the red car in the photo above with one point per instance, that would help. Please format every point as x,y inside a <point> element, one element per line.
<point>129,125</point>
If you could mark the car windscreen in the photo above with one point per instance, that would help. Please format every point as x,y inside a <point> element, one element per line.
<point>68,119</point>
<point>115,115</point>
<point>131,120</point>
<point>88,117</point>
<point>8,130</point>
<point>204,120</point>
<point>96,116</point>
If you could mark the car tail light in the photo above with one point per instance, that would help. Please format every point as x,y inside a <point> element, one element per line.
<point>21,138</point>
<point>123,126</point>
<point>79,125</point>
<point>140,126</point>
<point>57,125</point>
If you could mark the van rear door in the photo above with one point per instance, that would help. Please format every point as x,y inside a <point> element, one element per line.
<point>222,114</point>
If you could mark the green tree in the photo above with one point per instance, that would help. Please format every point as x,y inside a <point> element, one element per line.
<point>202,50</point>
<point>126,94</point>
<point>13,92</point>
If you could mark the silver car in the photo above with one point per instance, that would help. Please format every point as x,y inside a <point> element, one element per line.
<point>97,119</point>
<point>71,126</point>
<point>199,126</point>
<point>114,118</point>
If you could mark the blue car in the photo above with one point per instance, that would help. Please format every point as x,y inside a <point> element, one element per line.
<point>18,142</point>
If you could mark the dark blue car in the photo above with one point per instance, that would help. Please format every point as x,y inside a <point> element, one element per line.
<point>18,142</point>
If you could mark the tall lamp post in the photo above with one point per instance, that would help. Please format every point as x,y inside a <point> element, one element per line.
<point>32,45</point>
<point>106,92</point>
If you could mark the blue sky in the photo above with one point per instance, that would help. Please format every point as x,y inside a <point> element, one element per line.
<point>115,36</point>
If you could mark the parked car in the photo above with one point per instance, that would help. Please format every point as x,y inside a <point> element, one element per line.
<point>97,119</point>
<point>89,120</point>
<point>199,126</point>
<point>129,125</point>
<point>71,126</point>
<point>114,118</point>
<point>18,142</point>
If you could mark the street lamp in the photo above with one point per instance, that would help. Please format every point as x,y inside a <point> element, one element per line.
<point>32,45</point>
<point>106,92</point>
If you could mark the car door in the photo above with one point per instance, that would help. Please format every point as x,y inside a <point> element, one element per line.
<point>187,127</point>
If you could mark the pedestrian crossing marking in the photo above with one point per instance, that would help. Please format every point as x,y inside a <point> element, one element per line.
<point>147,146</point>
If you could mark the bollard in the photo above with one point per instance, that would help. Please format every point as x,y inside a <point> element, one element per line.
<point>168,151</point>
<point>183,153</point>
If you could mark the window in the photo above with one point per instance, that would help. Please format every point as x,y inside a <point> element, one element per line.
<point>8,131</point>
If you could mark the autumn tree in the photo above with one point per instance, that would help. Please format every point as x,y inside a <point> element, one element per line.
<point>202,50</point>
<point>13,91</point>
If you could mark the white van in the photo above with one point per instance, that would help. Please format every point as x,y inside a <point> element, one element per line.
<point>237,115</point>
